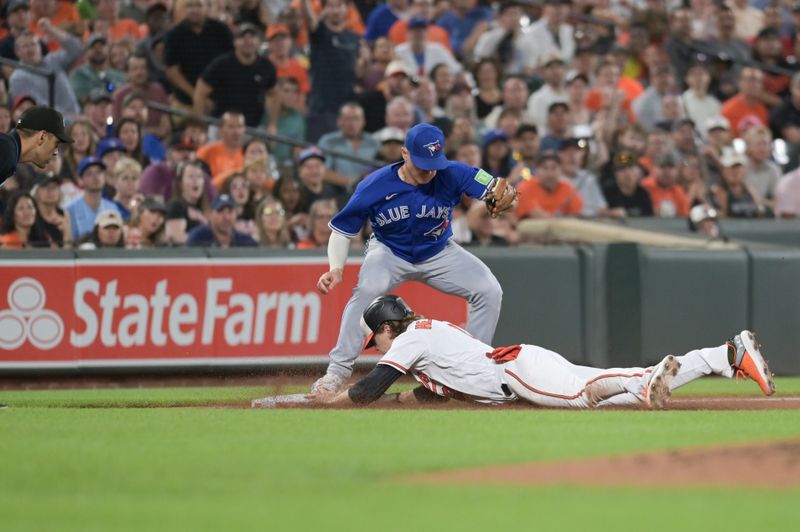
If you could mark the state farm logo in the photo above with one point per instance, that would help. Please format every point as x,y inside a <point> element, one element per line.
<point>27,319</point>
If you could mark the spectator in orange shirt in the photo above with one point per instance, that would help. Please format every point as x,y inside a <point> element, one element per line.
<point>747,102</point>
<point>398,33</point>
<point>669,199</point>
<point>279,52</point>
<point>319,215</point>
<point>611,89</point>
<point>62,15</point>
<point>547,195</point>
<point>225,155</point>
<point>118,28</point>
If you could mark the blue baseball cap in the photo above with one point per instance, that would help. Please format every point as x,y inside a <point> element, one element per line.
<point>425,144</point>
<point>222,201</point>
<point>91,160</point>
<point>493,136</point>
<point>108,145</point>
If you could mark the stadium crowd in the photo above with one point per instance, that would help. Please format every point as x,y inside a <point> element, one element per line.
<point>592,108</point>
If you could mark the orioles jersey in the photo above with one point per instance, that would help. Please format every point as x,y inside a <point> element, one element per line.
<point>449,362</point>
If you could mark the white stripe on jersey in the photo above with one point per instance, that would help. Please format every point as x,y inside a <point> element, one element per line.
<point>447,361</point>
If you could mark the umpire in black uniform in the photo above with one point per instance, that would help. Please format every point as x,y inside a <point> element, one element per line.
<point>34,139</point>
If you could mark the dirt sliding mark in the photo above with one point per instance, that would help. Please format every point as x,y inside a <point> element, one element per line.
<point>763,465</point>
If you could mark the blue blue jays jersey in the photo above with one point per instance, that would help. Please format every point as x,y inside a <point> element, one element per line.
<point>412,221</point>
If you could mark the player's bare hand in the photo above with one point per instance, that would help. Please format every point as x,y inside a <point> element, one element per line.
<point>329,280</point>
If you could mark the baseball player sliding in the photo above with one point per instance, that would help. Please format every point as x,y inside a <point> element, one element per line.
<point>410,205</point>
<point>449,363</point>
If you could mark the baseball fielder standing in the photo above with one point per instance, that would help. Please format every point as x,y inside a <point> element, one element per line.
<point>410,205</point>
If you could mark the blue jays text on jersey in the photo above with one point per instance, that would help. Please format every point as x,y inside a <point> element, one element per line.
<point>412,221</point>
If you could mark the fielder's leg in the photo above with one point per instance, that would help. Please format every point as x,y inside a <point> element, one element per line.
<point>458,272</point>
<point>380,272</point>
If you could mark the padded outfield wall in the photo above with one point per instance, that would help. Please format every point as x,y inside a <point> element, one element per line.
<point>604,305</point>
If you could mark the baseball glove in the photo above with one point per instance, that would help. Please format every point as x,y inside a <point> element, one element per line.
<point>500,197</point>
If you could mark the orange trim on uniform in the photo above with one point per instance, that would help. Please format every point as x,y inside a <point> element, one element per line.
<point>395,364</point>
<point>540,392</point>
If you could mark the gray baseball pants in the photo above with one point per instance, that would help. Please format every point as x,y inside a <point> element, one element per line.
<point>453,271</point>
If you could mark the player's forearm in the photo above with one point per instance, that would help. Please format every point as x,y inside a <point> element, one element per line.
<point>338,247</point>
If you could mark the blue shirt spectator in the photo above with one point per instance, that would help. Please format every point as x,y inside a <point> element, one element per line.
<point>84,209</point>
<point>383,17</point>
<point>461,20</point>
<point>219,231</point>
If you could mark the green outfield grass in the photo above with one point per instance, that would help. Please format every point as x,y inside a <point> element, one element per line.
<point>65,468</point>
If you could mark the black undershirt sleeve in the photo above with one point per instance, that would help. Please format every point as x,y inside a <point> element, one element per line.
<point>374,385</point>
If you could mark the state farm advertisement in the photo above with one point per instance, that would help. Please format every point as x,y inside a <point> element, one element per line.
<point>179,312</point>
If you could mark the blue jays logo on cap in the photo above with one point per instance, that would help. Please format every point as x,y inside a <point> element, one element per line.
<point>424,143</point>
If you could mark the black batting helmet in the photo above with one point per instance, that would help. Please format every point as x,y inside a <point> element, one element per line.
<point>383,309</point>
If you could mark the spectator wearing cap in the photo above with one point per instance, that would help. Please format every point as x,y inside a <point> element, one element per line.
<point>383,17</point>
<point>747,102</point>
<point>110,151</point>
<point>548,194</point>
<point>465,21</point>
<point>55,221</point>
<point>422,54</point>
<point>550,34</point>
<point>334,53</point>
<point>572,154</point>
<point>225,155</point>
<point>680,46</point>
<point>126,176</point>
<point>668,198</point>
<point>318,230</point>
<point>84,209</point>
<point>22,225</point>
<point>28,48</point>
<point>390,140</point>
<point>238,81</point>
<point>396,82</point>
<point>189,203</point>
<point>398,33</point>
<point>697,103</point>
<point>220,231</point>
<point>349,138</point>
<point>190,46</point>
<point>515,99</point>
<point>496,154</point>
<point>732,196</point>
<point>625,195</point>
<point>749,20</point>
<point>18,20</point>
<point>146,227</point>
<point>558,124</point>
<point>95,73</point>
<point>505,41</point>
<point>762,174</point>
<point>550,92</point>
<point>291,120</point>
<point>137,77</point>
<point>107,232</point>
<point>280,54</point>
<point>97,110</point>
<point>768,51</point>
<point>526,153</point>
<point>684,138</point>
<point>784,120</point>
<point>718,138</point>
<point>703,220</point>
<point>35,139</point>
<point>648,106</point>
<point>311,173</point>
<point>21,104</point>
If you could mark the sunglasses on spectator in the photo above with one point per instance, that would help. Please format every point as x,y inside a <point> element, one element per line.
<point>269,211</point>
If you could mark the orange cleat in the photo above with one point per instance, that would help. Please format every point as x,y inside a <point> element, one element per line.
<point>749,362</point>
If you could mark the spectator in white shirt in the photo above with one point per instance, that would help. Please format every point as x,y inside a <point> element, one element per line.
<point>549,34</point>
<point>430,53</point>
<point>552,91</point>
<point>697,103</point>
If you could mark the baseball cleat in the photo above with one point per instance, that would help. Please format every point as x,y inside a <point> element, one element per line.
<point>657,392</point>
<point>749,362</point>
